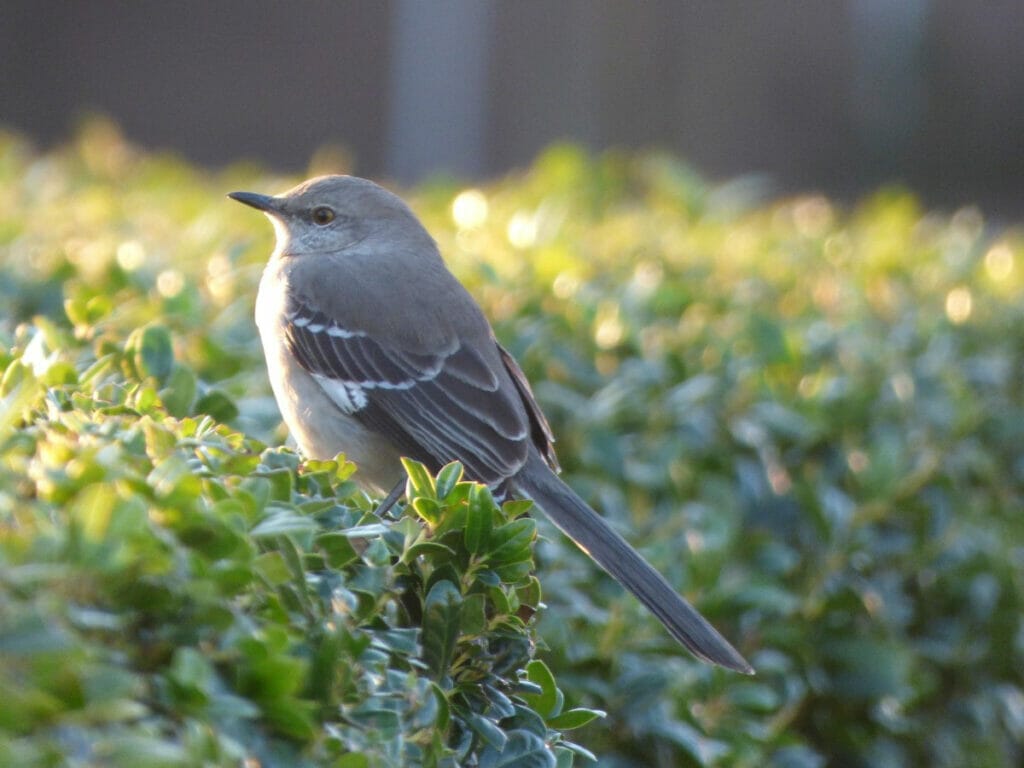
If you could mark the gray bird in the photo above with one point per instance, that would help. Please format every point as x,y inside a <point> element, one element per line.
<point>374,349</point>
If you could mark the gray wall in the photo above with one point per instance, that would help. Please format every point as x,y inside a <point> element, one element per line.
<point>837,95</point>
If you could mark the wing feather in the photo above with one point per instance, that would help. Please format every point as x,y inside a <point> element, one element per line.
<point>435,407</point>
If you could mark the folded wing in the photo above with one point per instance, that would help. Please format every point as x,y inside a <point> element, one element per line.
<point>457,403</point>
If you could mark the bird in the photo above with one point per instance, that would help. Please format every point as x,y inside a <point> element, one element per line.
<point>375,349</point>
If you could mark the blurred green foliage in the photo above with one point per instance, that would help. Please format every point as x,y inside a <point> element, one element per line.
<point>809,418</point>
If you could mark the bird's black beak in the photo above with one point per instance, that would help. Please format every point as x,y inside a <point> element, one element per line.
<point>264,203</point>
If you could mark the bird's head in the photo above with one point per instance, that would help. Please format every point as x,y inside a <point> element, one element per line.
<point>332,214</point>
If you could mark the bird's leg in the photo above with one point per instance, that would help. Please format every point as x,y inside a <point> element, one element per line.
<point>391,499</point>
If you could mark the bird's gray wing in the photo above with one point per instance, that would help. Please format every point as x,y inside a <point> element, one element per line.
<point>540,430</point>
<point>438,406</point>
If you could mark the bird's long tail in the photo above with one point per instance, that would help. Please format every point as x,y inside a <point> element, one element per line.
<point>609,550</point>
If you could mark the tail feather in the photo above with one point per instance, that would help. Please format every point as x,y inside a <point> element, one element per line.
<point>609,550</point>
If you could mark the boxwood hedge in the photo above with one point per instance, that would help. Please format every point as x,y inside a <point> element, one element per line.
<point>809,416</point>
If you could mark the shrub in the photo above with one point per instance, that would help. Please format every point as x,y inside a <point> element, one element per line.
<point>809,418</point>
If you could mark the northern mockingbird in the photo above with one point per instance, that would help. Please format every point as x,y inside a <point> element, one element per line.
<point>374,349</point>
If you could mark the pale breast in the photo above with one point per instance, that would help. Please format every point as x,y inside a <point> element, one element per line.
<point>320,428</point>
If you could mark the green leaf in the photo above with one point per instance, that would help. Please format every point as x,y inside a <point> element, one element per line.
<point>420,484</point>
<point>501,706</point>
<point>143,751</point>
<point>19,389</point>
<point>427,548</point>
<point>282,522</point>
<point>495,738</point>
<point>545,703</point>
<point>337,548</point>
<point>511,542</point>
<point>521,749</point>
<point>218,405</point>
<point>191,672</point>
<point>578,750</point>
<point>273,567</point>
<point>444,712</point>
<point>867,668</point>
<point>151,351</point>
<point>428,510</point>
<point>756,697</point>
<point>352,760</point>
<point>290,717</point>
<point>530,594</point>
<point>405,641</point>
<point>173,478</point>
<point>516,508</point>
<point>377,554</point>
<point>180,392</point>
<point>282,484</point>
<point>479,517</point>
<point>574,718</point>
<point>441,611</point>
<point>448,478</point>
<point>474,615</point>
<point>32,634</point>
<point>371,530</point>
<point>93,508</point>
<point>516,571</point>
<point>60,374</point>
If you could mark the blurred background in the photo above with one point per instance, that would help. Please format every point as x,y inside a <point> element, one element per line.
<point>831,95</point>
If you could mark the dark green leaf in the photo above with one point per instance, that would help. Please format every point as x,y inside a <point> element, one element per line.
<point>521,750</point>
<point>425,548</point>
<point>443,708</point>
<point>495,738</point>
<point>479,516</point>
<point>511,542</point>
<point>218,405</point>
<point>441,611</point>
<point>473,619</point>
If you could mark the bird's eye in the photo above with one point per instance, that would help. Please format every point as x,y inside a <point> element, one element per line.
<point>323,215</point>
